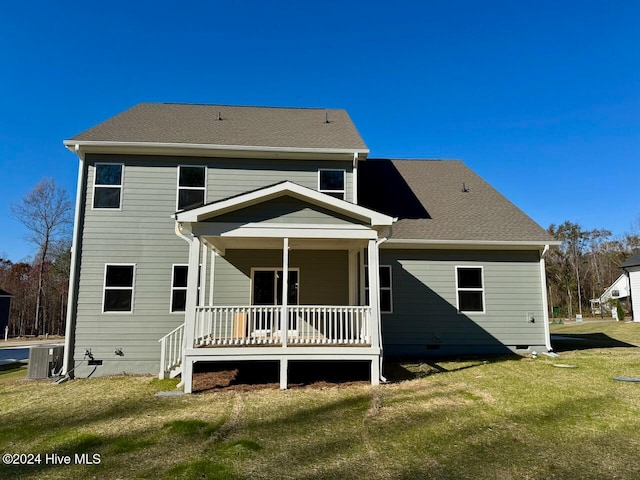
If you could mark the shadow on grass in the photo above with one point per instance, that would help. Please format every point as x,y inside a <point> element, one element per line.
<point>585,341</point>
<point>398,369</point>
<point>12,367</point>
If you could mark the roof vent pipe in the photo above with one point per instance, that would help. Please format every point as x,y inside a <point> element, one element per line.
<point>464,187</point>
<point>219,116</point>
<point>326,116</point>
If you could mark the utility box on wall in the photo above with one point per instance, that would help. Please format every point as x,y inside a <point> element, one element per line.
<point>45,361</point>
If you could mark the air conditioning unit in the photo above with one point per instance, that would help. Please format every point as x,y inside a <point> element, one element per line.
<point>45,361</point>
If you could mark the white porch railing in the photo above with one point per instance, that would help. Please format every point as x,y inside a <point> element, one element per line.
<point>261,325</point>
<point>171,350</point>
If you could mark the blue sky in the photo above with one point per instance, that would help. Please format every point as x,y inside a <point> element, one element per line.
<point>541,98</point>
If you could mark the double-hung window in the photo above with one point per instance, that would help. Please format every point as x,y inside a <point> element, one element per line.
<point>192,186</point>
<point>118,288</point>
<point>179,288</point>
<point>107,185</point>
<point>470,289</point>
<point>386,294</point>
<point>332,182</point>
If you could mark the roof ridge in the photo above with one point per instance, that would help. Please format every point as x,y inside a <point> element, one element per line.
<point>415,159</point>
<point>238,106</point>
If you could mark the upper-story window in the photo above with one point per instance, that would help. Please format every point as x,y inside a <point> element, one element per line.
<point>192,186</point>
<point>107,185</point>
<point>332,182</point>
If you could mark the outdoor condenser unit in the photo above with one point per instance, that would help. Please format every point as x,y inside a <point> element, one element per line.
<point>45,361</point>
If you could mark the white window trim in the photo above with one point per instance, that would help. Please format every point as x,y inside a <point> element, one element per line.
<point>344,182</point>
<point>389,288</point>
<point>178,187</point>
<point>482,289</point>
<point>273,269</point>
<point>172,288</point>
<point>93,197</point>
<point>132,287</point>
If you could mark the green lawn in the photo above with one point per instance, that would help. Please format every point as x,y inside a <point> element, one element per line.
<point>493,418</point>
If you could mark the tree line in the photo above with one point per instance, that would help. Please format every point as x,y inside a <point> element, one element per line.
<point>585,264</point>
<point>40,287</point>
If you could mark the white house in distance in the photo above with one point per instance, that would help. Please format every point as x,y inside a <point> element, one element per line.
<point>217,233</point>
<point>632,270</point>
<point>618,290</point>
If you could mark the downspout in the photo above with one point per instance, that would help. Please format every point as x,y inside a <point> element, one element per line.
<point>179,233</point>
<point>383,379</point>
<point>354,175</point>
<point>545,304</point>
<point>75,263</point>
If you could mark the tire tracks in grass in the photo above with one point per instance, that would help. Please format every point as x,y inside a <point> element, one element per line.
<point>374,410</point>
<point>233,421</point>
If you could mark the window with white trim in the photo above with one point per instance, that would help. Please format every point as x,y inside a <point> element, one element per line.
<point>332,182</point>
<point>386,294</point>
<point>107,185</point>
<point>118,288</point>
<point>470,289</point>
<point>179,277</point>
<point>192,186</point>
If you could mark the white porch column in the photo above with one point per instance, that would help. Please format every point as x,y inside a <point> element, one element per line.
<point>203,274</point>
<point>361,277</point>
<point>374,292</point>
<point>353,279</point>
<point>284,320</point>
<point>212,271</point>
<point>284,373</point>
<point>190,312</point>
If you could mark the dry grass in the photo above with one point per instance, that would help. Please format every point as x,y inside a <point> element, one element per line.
<point>493,418</point>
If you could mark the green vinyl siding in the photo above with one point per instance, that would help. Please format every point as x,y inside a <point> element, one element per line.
<point>286,210</point>
<point>424,300</point>
<point>228,177</point>
<point>142,232</point>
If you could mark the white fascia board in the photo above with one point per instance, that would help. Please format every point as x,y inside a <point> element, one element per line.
<point>409,244</point>
<point>162,148</point>
<point>297,191</point>
<point>284,231</point>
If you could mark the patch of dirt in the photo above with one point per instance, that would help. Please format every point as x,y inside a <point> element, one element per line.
<point>232,380</point>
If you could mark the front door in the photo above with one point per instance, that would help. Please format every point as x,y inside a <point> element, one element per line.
<point>267,290</point>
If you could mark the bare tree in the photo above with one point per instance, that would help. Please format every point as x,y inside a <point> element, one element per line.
<point>46,212</point>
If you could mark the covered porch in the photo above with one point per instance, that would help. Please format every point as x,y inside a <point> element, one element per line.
<point>273,290</point>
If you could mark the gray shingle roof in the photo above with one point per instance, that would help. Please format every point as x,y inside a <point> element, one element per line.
<point>240,126</point>
<point>632,261</point>
<point>427,197</point>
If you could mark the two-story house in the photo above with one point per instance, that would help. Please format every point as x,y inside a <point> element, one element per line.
<point>209,233</point>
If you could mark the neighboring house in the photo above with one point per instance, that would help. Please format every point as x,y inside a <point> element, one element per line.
<point>632,270</point>
<point>618,290</point>
<point>5,307</point>
<point>251,233</point>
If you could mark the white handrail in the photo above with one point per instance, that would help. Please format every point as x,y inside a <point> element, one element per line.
<point>171,346</point>
<point>261,325</point>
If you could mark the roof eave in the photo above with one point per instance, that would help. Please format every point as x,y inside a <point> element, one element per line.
<point>402,243</point>
<point>196,149</point>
